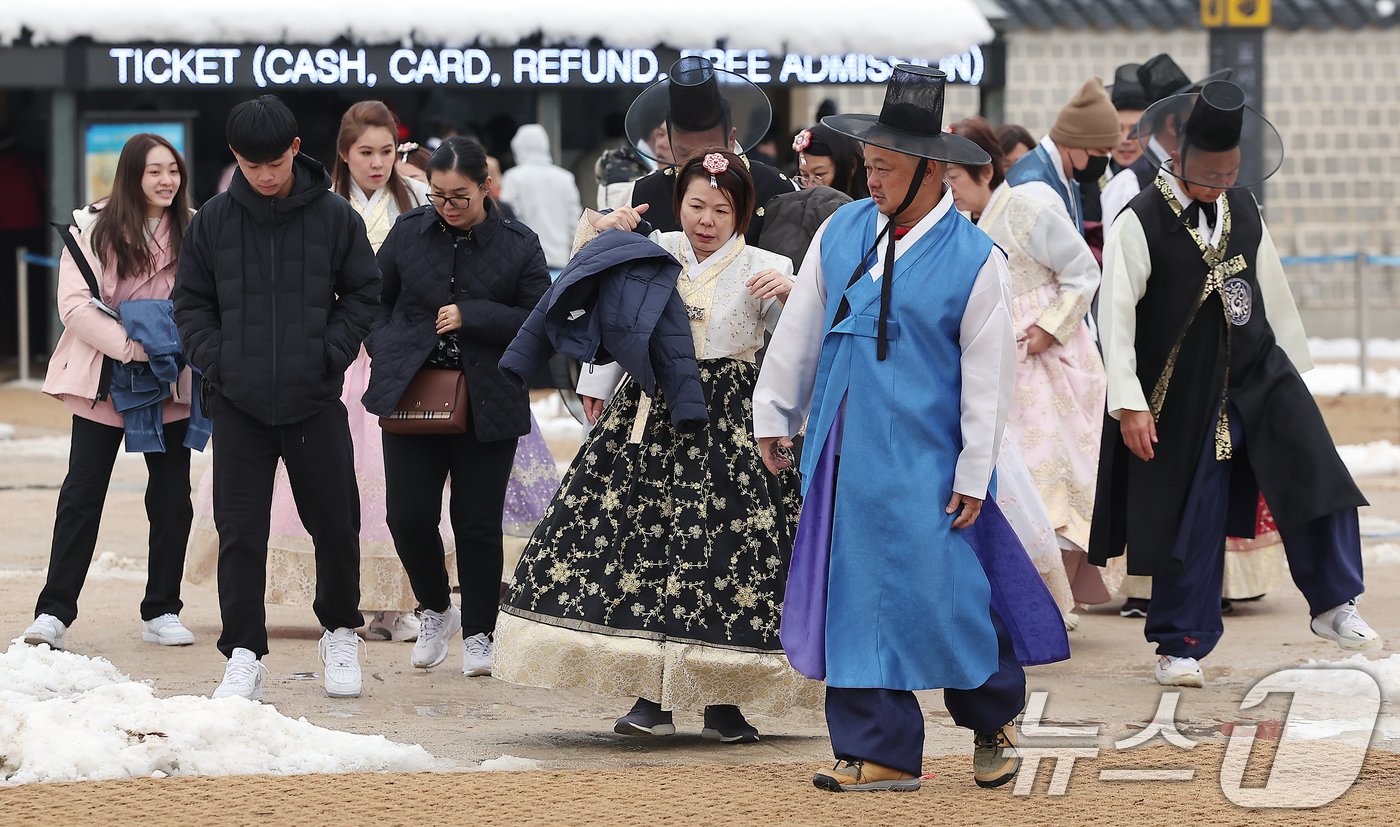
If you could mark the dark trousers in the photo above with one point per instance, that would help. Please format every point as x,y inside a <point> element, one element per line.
<point>415,470</point>
<point>1324,558</point>
<point>168,509</point>
<point>886,726</point>
<point>320,464</point>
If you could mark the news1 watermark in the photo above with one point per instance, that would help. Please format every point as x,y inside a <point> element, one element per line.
<point>1336,705</point>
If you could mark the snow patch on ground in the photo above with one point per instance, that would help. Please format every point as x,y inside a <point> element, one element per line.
<point>1371,458</point>
<point>556,423</point>
<point>1339,349</point>
<point>1335,380</point>
<point>1346,680</point>
<point>507,763</point>
<point>1384,554</point>
<point>67,717</point>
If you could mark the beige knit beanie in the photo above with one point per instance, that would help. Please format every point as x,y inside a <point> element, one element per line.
<point>1088,121</point>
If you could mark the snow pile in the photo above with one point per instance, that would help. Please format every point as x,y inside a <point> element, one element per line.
<point>1371,458</point>
<point>928,30</point>
<point>555,421</point>
<point>1384,554</point>
<point>7,431</point>
<point>112,566</point>
<point>1335,380</point>
<point>66,717</point>
<point>507,763</point>
<point>1346,679</point>
<point>1348,349</point>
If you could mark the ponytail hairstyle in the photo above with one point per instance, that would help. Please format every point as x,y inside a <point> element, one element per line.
<point>462,155</point>
<point>119,234</point>
<point>357,120</point>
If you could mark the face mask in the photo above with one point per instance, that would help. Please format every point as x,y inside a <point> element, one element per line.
<point>1093,171</point>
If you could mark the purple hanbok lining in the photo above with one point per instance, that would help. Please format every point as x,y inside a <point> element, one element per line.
<point>1019,595</point>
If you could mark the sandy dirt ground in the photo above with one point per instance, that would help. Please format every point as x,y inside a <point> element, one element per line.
<point>591,775</point>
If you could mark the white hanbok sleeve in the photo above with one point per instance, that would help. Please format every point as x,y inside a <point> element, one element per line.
<point>1121,189</point>
<point>1056,244</point>
<point>1279,308</point>
<point>772,309</point>
<point>988,341</point>
<point>1127,264</point>
<point>783,395</point>
<point>600,381</point>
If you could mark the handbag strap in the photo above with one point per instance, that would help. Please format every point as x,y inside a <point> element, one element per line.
<point>65,232</point>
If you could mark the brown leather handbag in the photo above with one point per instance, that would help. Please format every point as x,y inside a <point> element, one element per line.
<point>435,402</point>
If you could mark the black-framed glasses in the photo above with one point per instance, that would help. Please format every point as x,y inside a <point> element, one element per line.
<point>457,202</point>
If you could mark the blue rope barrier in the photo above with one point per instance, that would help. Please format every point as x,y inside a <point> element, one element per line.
<point>1340,258</point>
<point>1384,261</point>
<point>42,261</point>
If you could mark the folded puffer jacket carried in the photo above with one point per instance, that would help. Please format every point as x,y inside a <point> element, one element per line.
<point>617,301</point>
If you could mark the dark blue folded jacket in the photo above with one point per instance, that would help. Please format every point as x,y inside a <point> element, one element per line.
<point>617,301</point>
<point>139,388</point>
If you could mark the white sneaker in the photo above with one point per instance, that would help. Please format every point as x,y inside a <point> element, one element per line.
<point>166,630</point>
<point>1344,626</point>
<point>340,655</point>
<point>243,676</point>
<point>1174,671</point>
<point>436,630</point>
<point>476,656</point>
<point>401,627</point>
<point>45,629</point>
<point>406,627</point>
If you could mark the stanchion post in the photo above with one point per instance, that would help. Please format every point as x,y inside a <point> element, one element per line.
<point>22,310</point>
<point>1363,334</point>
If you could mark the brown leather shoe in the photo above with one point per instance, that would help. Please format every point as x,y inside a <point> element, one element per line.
<point>995,760</point>
<point>866,777</point>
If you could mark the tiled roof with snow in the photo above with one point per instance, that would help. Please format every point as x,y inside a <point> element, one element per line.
<point>913,27</point>
<point>1290,15</point>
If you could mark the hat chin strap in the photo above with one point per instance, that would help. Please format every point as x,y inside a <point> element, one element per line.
<point>882,345</point>
<point>882,342</point>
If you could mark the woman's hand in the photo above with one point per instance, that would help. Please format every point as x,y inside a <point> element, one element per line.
<point>1139,433</point>
<point>592,409</point>
<point>1037,340</point>
<point>777,453</point>
<point>622,218</point>
<point>449,318</point>
<point>770,284</point>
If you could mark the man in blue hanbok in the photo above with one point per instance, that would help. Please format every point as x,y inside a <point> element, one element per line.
<point>898,339</point>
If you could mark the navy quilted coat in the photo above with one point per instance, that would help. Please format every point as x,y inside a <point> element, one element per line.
<point>617,301</point>
<point>500,273</point>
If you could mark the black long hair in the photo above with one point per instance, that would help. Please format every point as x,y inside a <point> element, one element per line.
<point>120,229</point>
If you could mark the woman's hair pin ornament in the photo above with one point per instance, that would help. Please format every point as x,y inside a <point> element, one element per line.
<point>715,164</point>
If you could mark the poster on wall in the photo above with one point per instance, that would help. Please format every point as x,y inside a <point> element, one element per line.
<point>104,135</point>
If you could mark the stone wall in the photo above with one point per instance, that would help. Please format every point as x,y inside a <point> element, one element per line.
<point>1333,96</point>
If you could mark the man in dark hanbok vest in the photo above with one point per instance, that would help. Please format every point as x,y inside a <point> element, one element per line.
<point>905,575</point>
<point>1206,408</point>
<point>704,108</point>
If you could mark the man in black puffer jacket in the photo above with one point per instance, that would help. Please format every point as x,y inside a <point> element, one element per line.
<point>276,288</point>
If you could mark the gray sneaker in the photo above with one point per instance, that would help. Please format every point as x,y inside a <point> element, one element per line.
<point>436,630</point>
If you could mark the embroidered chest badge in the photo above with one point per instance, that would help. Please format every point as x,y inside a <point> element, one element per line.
<point>1239,301</point>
